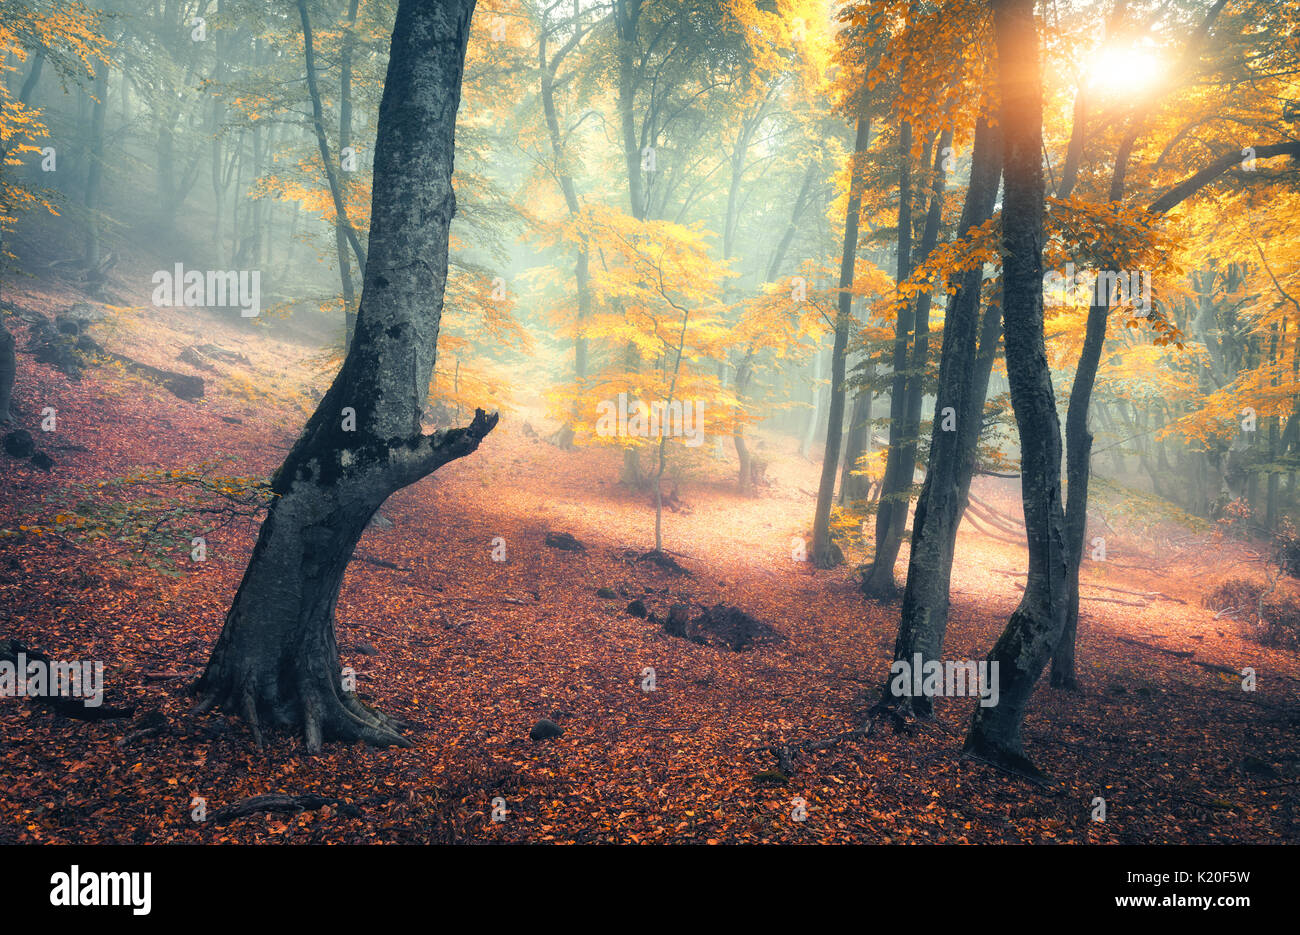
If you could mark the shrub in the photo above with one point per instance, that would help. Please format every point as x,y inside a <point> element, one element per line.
<point>1286,548</point>
<point>1271,619</point>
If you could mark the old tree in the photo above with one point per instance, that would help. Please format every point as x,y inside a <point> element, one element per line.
<point>276,662</point>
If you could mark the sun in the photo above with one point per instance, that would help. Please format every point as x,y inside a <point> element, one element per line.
<point>1119,70</point>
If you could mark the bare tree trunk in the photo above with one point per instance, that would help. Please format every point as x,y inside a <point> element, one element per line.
<point>878,580</point>
<point>582,266</point>
<point>318,122</point>
<point>815,400</point>
<point>1078,441</point>
<point>8,370</point>
<point>8,358</point>
<point>276,662</point>
<point>825,554</point>
<point>905,419</point>
<point>854,486</point>
<point>627,15</point>
<point>745,481</point>
<point>1036,624</point>
<point>964,366</point>
<point>95,169</point>
<point>345,140</point>
<point>745,370</point>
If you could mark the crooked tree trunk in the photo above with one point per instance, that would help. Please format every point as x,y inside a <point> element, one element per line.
<point>966,358</point>
<point>276,662</point>
<point>1036,624</point>
<point>825,554</point>
<point>1079,439</point>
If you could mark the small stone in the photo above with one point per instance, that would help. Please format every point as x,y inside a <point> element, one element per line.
<point>606,593</point>
<point>564,541</point>
<point>679,618</point>
<point>545,729</point>
<point>19,444</point>
<point>637,608</point>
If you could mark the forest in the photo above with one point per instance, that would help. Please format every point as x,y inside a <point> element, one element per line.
<point>649,422</point>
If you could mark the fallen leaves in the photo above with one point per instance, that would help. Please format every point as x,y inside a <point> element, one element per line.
<point>473,652</point>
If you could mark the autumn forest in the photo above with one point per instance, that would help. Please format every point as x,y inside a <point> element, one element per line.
<point>649,422</point>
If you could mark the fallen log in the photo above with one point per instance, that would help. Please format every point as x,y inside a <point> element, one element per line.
<point>188,388</point>
<point>276,802</point>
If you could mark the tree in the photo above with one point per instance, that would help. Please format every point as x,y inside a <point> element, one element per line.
<point>965,360</point>
<point>825,554</point>
<point>909,386</point>
<point>562,169</point>
<point>1113,254</point>
<point>67,35</point>
<point>1024,646</point>
<point>276,662</point>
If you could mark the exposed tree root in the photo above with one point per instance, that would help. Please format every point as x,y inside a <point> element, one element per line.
<point>319,711</point>
<point>1012,762</point>
<point>786,753</point>
<point>276,802</point>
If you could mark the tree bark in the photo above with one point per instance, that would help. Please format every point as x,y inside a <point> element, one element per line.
<point>627,14</point>
<point>745,369</point>
<point>1078,442</point>
<point>963,384</point>
<point>345,140</point>
<point>854,486</point>
<point>95,169</point>
<point>276,662</point>
<point>322,144</point>
<point>8,370</point>
<point>915,391</point>
<point>1036,624</point>
<point>905,418</point>
<point>582,266</point>
<point>8,358</point>
<point>825,554</point>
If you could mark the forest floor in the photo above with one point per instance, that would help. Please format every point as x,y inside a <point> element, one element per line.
<point>472,652</point>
